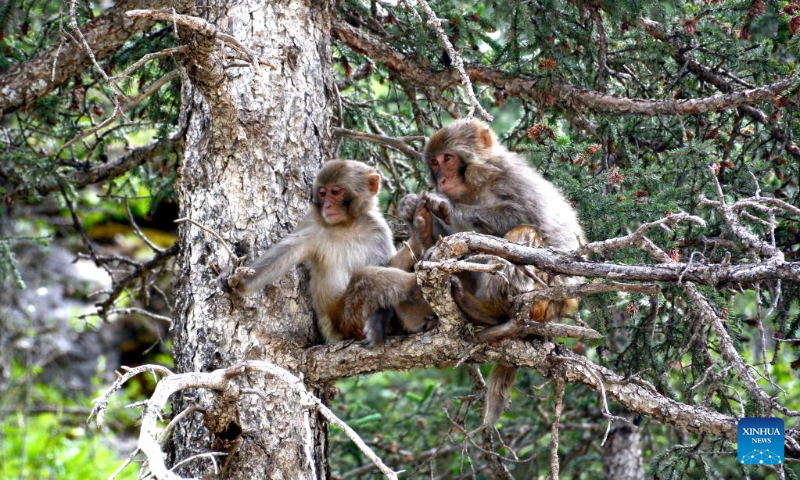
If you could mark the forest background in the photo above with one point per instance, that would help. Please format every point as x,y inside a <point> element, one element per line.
<point>119,119</point>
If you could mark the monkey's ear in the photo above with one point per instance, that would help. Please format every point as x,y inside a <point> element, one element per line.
<point>485,137</point>
<point>374,183</point>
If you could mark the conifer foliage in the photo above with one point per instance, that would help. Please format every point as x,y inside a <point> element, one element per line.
<point>673,127</point>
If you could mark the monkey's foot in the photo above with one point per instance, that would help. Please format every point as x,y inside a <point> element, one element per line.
<point>234,283</point>
<point>373,340</point>
<point>375,329</point>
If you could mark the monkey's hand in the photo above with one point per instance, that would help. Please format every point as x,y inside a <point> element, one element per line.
<point>408,206</point>
<point>236,282</point>
<point>422,228</point>
<point>440,206</point>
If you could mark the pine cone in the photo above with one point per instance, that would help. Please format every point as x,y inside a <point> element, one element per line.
<point>539,131</point>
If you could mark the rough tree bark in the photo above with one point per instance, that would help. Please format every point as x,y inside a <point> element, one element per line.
<point>256,138</point>
<point>622,459</point>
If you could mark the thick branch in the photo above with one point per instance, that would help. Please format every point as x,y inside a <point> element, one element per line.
<point>433,350</point>
<point>31,80</point>
<point>218,381</point>
<point>568,96</point>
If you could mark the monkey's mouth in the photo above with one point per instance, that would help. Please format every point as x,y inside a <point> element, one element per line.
<point>333,217</point>
<point>450,188</point>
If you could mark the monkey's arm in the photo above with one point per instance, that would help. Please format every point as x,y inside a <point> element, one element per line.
<point>281,257</point>
<point>493,219</point>
<point>404,259</point>
<point>371,288</point>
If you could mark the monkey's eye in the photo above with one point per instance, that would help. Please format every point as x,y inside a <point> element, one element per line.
<point>322,192</point>
<point>447,157</point>
<point>432,162</point>
<point>336,191</point>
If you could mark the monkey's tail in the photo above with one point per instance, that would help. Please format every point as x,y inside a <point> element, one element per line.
<point>373,288</point>
<point>498,392</point>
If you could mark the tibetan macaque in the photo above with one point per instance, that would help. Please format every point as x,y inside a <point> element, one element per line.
<point>483,187</point>
<point>343,232</point>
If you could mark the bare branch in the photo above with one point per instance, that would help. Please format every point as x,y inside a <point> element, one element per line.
<point>396,143</point>
<point>111,169</point>
<point>167,52</point>
<point>458,62</point>
<point>739,230</point>
<point>197,24</point>
<point>559,395</point>
<point>101,402</point>
<point>218,380</point>
<point>635,239</point>
<point>728,350</point>
<point>121,284</point>
<point>454,266</point>
<point>138,231</point>
<point>140,311</point>
<point>119,110</point>
<point>233,257</point>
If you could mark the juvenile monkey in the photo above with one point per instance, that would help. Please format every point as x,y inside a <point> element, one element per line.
<point>374,290</point>
<point>343,232</point>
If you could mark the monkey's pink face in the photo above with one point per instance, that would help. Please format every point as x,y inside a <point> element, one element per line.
<point>333,207</point>
<point>446,169</point>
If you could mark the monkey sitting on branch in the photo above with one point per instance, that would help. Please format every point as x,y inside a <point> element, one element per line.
<point>480,186</point>
<point>343,232</point>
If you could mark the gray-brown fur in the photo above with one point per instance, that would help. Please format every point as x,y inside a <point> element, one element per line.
<point>376,288</point>
<point>498,394</point>
<point>502,193</point>
<point>333,253</point>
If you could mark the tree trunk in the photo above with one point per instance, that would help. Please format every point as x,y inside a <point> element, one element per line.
<point>255,140</point>
<point>623,453</point>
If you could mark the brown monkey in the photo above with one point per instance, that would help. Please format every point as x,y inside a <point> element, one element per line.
<point>378,289</point>
<point>343,232</point>
<point>483,187</point>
